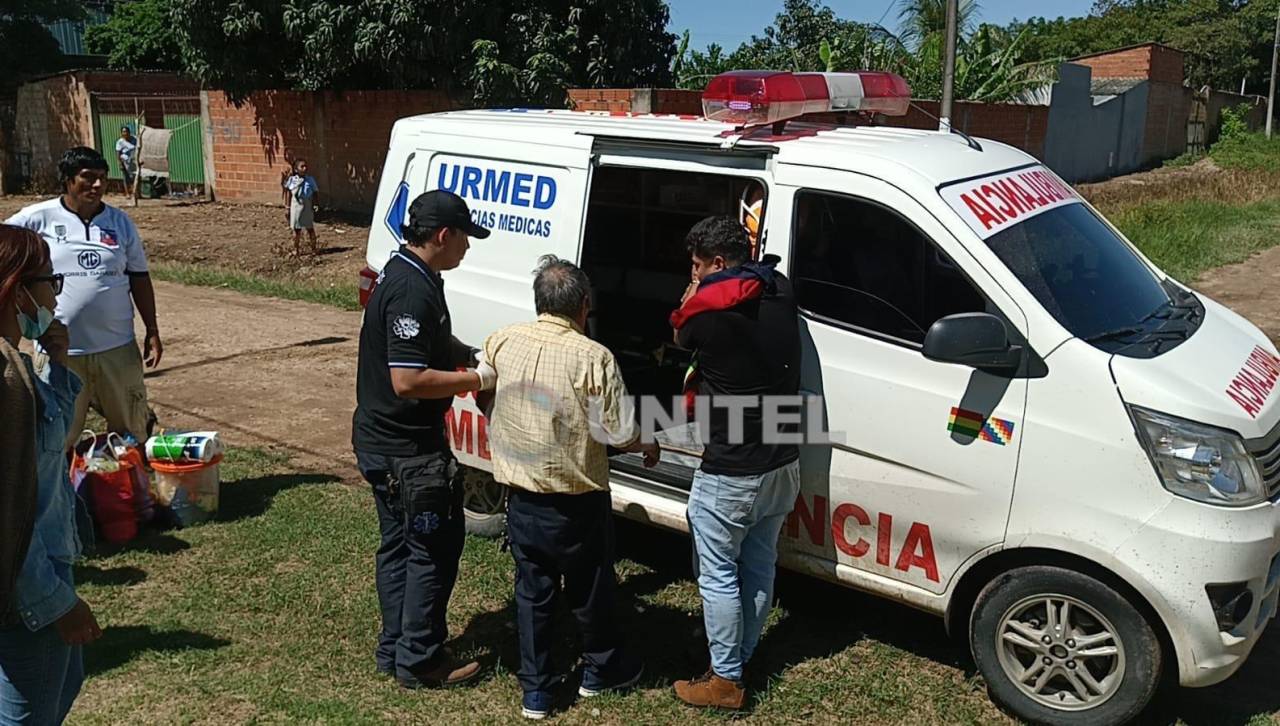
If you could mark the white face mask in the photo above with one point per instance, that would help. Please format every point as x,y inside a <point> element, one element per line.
<point>33,329</point>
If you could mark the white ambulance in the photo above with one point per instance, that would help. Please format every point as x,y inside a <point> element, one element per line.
<point>1037,434</point>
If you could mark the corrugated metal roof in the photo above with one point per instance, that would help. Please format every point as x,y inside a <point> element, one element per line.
<point>1113,86</point>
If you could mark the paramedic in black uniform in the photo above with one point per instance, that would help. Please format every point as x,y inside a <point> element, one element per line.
<point>406,379</point>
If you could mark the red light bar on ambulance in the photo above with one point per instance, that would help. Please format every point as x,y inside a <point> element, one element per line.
<point>750,98</point>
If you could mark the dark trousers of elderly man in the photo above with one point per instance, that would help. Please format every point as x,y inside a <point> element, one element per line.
<point>559,401</point>
<point>563,546</point>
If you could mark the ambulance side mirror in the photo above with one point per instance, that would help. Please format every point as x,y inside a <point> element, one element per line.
<point>978,340</point>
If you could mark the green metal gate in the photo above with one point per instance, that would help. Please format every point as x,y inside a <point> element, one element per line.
<point>178,113</point>
<point>108,131</point>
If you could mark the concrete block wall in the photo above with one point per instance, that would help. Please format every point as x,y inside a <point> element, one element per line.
<point>1165,134</point>
<point>1216,101</point>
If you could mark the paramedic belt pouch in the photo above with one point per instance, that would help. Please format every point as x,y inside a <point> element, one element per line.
<point>430,486</point>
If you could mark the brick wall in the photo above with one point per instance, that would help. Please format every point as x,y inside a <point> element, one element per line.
<point>52,115</point>
<point>8,114</point>
<point>617,100</point>
<point>55,113</point>
<point>1166,65</point>
<point>1129,63</point>
<point>636,100</point>
<point>1151,61</point>
<point>1018,125</point>
<point>342,135</point>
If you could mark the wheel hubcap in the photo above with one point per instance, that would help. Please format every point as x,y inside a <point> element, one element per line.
<point>482,495</point>
<point>1060,652</point>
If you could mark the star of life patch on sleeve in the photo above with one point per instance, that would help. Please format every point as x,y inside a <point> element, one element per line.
<point>406,327</point>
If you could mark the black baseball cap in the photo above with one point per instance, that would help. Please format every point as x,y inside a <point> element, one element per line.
<point>438,208</point>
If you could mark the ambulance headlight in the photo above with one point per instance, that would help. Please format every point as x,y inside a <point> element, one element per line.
<point>1199,462</point>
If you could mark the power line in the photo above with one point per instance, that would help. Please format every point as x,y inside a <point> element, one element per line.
<point>885,14</point>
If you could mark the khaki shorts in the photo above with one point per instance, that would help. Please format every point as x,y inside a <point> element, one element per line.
<point>113,384</point>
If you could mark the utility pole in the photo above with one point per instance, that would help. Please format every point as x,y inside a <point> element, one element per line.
<point>949,69</point>
<point>1271,95</point>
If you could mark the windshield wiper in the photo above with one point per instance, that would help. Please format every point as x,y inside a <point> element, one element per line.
<point>1117,333</point>
<point>1140,326</point>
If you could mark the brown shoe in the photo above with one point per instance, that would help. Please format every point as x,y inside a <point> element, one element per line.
<point>711,690</point>
<point>449,673</point>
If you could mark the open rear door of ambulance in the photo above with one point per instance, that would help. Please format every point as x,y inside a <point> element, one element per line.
<point>530,194</point>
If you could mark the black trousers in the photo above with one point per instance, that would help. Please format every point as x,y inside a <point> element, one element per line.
<point>415,574</point>
<point>555,539</point>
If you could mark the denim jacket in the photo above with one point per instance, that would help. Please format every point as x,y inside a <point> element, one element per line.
<point>42,594</point>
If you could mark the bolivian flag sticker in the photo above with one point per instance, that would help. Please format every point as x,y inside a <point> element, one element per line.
<point>974,425</point>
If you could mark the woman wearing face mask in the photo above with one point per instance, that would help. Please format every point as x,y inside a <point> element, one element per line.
<point>43,623</point>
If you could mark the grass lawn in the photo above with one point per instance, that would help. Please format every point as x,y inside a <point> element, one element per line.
<point>1186,238</point>
<point>269,614</point>
<point>344,296</point>
<point>1215,213</point>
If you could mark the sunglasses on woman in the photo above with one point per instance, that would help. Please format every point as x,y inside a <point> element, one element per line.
<point>55,281</point>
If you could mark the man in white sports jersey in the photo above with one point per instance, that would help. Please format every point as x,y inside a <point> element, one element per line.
<point>96,248</point>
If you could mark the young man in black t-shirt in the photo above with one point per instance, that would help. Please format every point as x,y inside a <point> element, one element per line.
<point>739,318</point>
<point>405,381</point>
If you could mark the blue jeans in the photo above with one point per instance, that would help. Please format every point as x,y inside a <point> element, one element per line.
<point>40,676</point>
<point>735,522</point>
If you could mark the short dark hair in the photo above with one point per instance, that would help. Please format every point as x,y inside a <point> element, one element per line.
<point>77,159</point>
<point>559,287</point>
<point>126,128</point>
<point>417,236</point>
<point>719,236</point>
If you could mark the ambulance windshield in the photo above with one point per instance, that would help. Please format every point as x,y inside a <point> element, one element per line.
<point>1082,273</point>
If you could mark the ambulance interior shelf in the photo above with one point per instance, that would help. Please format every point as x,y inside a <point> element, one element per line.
<point>634,252</point>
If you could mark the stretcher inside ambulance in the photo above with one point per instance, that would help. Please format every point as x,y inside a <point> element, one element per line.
<point>1033,431</point>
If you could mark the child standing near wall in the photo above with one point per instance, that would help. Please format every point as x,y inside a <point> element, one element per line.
<point>299,198</point>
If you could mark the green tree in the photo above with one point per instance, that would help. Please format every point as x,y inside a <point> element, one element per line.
<point>1225,41</point>
<point>692,69</point>
<point>794,41</point>
<point>512,51</point>
<point>139,35</point>
<point>25,45</point>
<point>808,36</point>
<point>920,19</point>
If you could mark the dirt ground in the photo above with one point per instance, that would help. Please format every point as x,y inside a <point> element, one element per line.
<point>246,237</point>
<point>263,372</point>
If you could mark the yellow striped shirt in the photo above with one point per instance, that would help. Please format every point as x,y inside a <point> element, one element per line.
<point>555,385</point>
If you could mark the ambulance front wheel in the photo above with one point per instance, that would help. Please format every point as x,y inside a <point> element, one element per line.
<point>484,503</point>
<point>1059,647</point>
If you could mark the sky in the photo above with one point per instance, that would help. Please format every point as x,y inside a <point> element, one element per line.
<point>729,22</point>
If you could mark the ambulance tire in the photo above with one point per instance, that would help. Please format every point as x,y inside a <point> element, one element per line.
<point>484,504</point>
<point>1016,604</point>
